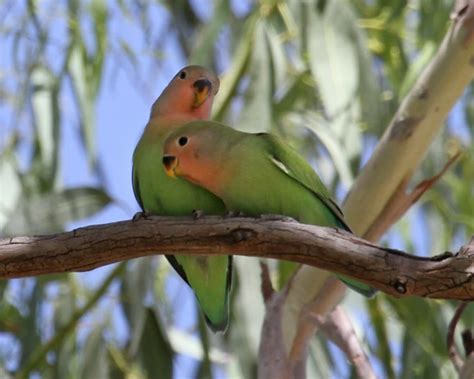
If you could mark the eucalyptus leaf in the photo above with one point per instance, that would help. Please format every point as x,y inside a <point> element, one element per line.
<point>52,211</point>
<point>84,97</point>
<point>67,360</point>
<point>205,42</point>
<point>232,77</point>
<point>279,63</point>
<point>10,188</point>
<point>333,56</point>
<point>155,352</point>
<point>322,130</point>
<point>10,317</point>
<point>247,312</point>
<point>95,364</point>
<point>100,15</point>
<point>45,104</point>
<point>28,332</point>
<point>340,64</point>
<point>134,289</point>
<point>256,115</point>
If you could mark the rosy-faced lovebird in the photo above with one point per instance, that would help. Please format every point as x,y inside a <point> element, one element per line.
<point>254,174</point>
<point>187,97</point>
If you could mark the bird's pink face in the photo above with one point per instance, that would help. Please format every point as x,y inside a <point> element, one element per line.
<point>182,157</point>
<point>190,93</point>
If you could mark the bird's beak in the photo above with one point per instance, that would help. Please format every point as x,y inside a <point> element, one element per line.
<point>202,90</point>
<point>170,163</point>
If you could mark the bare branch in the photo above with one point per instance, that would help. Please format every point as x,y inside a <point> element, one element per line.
<point>452,351</point>
<point>338,328</point>
<point>443,277</point>
<point>401,201</point>
<point>310,320</point>
<point>267,288</point>
<point>467,371</point>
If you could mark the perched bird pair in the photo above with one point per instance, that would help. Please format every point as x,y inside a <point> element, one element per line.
<point>215,169</point>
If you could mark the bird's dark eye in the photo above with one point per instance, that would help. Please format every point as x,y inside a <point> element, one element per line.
<point>182,75</point>
<point>182,141</point>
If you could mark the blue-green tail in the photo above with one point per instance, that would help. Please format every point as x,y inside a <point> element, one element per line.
<point>359,287</point>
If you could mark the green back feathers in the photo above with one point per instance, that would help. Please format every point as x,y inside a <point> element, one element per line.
<point>296,167</point>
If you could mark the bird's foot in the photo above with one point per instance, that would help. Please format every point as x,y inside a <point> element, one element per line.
<point>230,214</point>
<point>197,214</point>
<point>141,216</point>
<point>276,217</point>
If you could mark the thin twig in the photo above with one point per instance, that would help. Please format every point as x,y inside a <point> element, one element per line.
<point>267,288</point>
<point>338,328</point>
<point>452,351</point>
<point>312,316</point>
<point>402,200</point>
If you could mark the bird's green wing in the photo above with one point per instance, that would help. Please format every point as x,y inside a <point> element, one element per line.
<point>296,167</point>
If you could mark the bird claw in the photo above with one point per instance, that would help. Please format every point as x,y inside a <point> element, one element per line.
<point>230,214</point>
<point>276,217</point>
<point>141,215</point>
<point>197,214</point>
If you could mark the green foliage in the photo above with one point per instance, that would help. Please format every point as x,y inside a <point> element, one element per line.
<point>326,75</point>
<point>49,212</point>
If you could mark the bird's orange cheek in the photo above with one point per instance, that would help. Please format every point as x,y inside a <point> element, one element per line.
<point>185,167</point>
<point>190,168</point>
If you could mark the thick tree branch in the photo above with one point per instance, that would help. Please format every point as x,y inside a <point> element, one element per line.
<point>443,277</point>
<point>418,120</point>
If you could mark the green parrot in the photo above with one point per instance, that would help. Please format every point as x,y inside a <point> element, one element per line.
<point>254,174</point>
<point>187,97</point>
